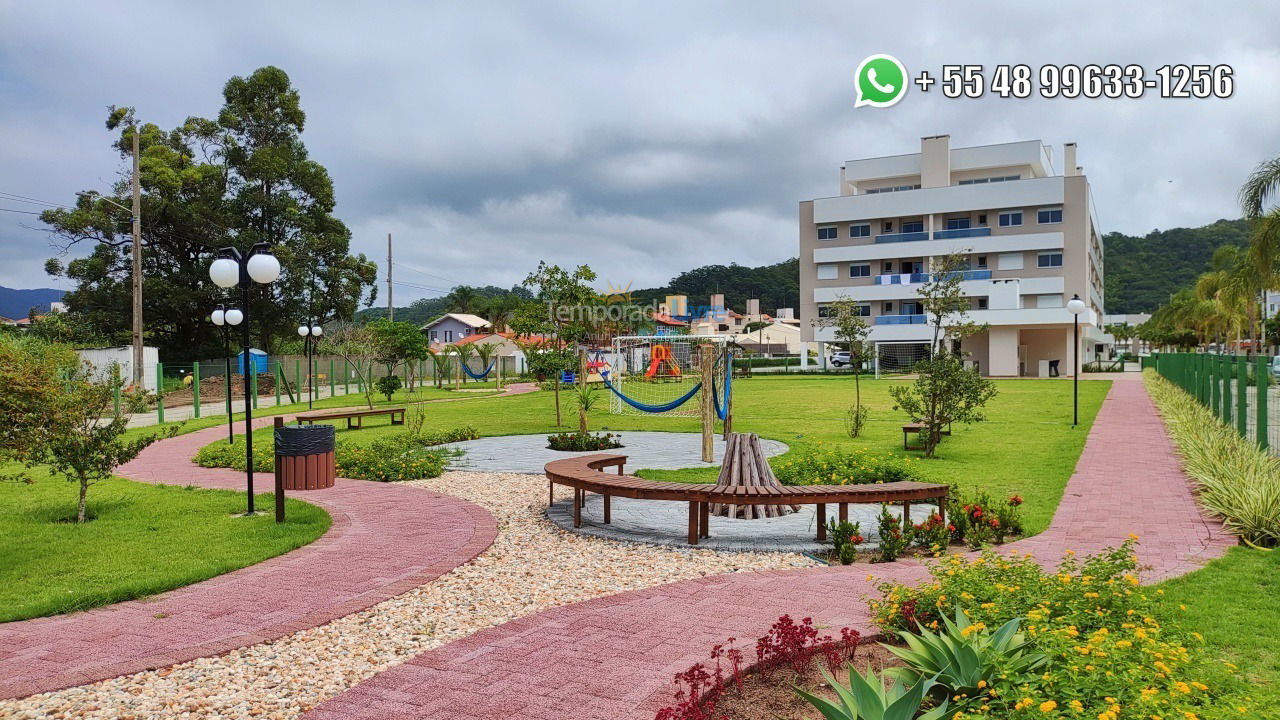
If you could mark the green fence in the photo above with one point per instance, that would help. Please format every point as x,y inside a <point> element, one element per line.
<point>1235,388</point>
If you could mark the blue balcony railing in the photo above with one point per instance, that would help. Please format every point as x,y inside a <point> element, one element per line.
<point>903,279</point>
<point>900,319</point>
<point>961,233</point>
<point>968,274</point>
<point>902,237</point>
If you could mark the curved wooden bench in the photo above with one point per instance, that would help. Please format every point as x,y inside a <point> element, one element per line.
<point>586,474</point>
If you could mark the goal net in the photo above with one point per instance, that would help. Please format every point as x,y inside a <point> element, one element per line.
<point>896,358</point>
<point>655,372</point>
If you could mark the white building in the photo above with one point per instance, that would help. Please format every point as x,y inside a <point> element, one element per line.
<point>1029,234</point>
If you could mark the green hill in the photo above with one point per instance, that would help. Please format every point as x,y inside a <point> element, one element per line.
<point>1141,272</point>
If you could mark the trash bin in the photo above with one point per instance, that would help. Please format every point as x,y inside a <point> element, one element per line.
<point>304,456</point>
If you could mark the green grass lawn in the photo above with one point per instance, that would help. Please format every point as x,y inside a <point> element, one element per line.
<point>142,539</point>
<point>1026,446</point>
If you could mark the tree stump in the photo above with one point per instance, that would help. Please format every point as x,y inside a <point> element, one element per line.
<point>745,464</point>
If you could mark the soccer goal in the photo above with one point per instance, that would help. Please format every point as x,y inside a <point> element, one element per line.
<point>898,357</point>
<point>659,374</point>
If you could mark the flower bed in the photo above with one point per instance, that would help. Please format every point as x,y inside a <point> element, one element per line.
<point>822,465</point>
<point>583,441</point>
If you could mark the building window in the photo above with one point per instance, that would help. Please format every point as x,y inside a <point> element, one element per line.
<point>982,262</point>
<point>888,308</point>
<point>828,271</point>
<point>982,219</point>
<point>824,311</point>
<point>1048,216</point>
<point>1013,218</point>
<point>864,310</point>
<point>887,227</point>
<point>960,223</point>
<point>435,335</point>
<point>982,303</point>
<point>887,267</point>
<point>983,181</point>
<point>1049,260</point>
<point>913,226</point>
<point>857,271</point>
<point>448,336</point>
<point>827,233</point>
<point>858,230</point>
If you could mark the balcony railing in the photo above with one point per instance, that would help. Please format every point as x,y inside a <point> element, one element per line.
<point>901,279</point>
<point>961,233</point>
<point>900,319</point>
<point>968,274</point>
<point>902,237</point>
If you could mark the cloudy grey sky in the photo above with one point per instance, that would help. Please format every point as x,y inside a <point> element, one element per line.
<point>641,138</point>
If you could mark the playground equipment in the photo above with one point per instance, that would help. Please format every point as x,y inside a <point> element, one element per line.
<point>661,365</point>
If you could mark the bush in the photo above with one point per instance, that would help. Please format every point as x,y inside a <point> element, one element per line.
<point>892,539</point>
<point>580,441</point>
<point>387,385</point>
<point>819,465</point>
<point>1108,656</point>
<point>845,539</point>
<point>977,519</point>
<point>1237,482</point>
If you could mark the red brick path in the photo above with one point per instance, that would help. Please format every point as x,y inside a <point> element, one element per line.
<point>614,657</point>
<point>385,540</point>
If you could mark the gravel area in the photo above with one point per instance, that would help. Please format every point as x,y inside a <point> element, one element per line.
<point>532,565</point>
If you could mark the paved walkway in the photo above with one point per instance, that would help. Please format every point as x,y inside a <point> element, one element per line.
<point>655,450</point>
<point>615,657</point>
<point>385,540</point>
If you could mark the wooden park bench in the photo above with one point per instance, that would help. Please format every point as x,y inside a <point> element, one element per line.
<point>586,474</point>
<point>915,429</point>
<point>356,414</point>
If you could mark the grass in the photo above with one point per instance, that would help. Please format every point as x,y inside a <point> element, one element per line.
<point>142,539</point>
<point>1027,446</point>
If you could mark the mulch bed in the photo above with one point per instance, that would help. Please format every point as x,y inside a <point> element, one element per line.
<point>773,697</point>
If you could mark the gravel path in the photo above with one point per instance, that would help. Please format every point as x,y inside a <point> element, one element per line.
<point>531,566</point>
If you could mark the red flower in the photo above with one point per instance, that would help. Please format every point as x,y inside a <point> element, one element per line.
<point>1016,500</point>
<point>952,528</point>
<point>995,523</point>
<point>977,512</point>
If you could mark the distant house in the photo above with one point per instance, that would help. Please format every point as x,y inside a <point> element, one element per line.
<point>452,327</point>
<point>504,341</point>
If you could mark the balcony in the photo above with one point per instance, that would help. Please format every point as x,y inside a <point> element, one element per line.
<point>900,320</point>
<point>901,279</point>
<point>961,233</point>
<point>969,274</point>
<point>902,237</point>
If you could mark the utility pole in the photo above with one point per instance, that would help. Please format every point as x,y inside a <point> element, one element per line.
<point>137,267</point>
<point>391,309</point>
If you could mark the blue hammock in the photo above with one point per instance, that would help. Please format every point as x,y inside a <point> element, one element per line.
<point>604,375</point>
<point>479,376</point>
<point>722,409</point>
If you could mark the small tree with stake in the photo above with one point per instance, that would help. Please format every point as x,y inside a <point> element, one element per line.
<point>844,316</point>
<point>945,391</point>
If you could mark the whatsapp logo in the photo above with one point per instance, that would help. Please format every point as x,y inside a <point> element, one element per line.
<point>881,80</point>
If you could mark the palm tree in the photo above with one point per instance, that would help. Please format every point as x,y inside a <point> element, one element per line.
<point>463,299</point>
<point>440,366</point>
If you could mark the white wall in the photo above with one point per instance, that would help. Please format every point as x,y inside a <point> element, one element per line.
<point>101,360</point>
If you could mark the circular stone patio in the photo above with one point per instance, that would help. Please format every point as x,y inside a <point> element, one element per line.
<point>657,522</point>
<point>653,450</point>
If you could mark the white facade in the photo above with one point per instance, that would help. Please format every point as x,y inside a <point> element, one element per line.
<point>102,359</point>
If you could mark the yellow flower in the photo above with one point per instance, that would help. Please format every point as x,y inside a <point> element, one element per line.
<point>1048,706</point>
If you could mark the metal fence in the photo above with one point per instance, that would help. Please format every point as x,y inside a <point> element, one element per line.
<point>1239,390</point>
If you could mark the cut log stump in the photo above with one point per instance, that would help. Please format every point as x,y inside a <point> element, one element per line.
<point>745,464</point>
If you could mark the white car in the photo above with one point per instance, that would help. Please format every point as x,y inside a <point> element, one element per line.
<point>840,358</point>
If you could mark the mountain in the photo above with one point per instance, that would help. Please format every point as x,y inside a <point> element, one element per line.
<point>15,304</point>
<point>777,286</point>
<point>1141,272</point>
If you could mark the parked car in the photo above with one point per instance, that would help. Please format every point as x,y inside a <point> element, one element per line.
<point>840,358</point>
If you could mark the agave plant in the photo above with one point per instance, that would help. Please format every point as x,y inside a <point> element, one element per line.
<point>868,697</point>
<point>964,657</point>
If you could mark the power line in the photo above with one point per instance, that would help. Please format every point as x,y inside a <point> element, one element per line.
<point>24,212</point>
<point>33,201</point>
<point>424,272</point>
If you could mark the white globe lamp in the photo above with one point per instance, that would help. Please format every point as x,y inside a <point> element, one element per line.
<point>263,268</point>
<point>317,331</point>
<point>234,316</point>
<point>218,317</point>
<point>303,330</point>
<point>224,272</point>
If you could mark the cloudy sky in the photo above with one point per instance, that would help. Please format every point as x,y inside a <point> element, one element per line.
<point>643,138</point>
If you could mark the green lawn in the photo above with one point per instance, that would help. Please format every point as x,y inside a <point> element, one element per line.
<point>1027,445</point>
<point>142,539</point>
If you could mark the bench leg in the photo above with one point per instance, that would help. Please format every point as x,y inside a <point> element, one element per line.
<point>906,516</point>
<point>348,423</point>
<point>844,512</point>
<point>822,522</point>
<point>577,508</point>
<point>904,440</point>
<point>608,515</point>
<point>582,499</point>
<point>942,509</point>
<point>693,522</point>
<point>551,493</point>
<point>704,519</point>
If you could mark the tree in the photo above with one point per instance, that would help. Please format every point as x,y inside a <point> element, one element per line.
<point>844,316</point>
<point>563,294</point>
<point>945,391</point>
<point>234,181</point>
<point>354,344</point>
<point>397,344</point>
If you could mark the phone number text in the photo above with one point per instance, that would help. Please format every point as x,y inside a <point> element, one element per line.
<point>1088,81</point>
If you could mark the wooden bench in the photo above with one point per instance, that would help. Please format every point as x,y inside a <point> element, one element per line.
<point>358,415</point>
<point>916,428</point>
<point>586,474</point>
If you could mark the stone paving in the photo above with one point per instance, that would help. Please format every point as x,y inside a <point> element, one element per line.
<point>385,540</point>
<point>656,522</point>
<point>655,450</point>
<point>615,657</point>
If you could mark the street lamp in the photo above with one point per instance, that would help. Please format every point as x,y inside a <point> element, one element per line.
<point>227,318</point>
<point>233,268</point>
<point>310,336</point>
<point>1076,306</point>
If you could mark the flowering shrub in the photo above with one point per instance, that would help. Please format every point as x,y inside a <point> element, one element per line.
<point>819,465</point>
<point>977,519</point>
<point>892,539</point>
<point>845,539</point>
<point>580,441</point>
<point>1109,657</point>
<point>788,644</point>
<point>404,456</point>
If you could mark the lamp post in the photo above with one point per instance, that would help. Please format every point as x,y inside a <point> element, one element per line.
<point>227,318</point>
<point>1076,306</point>
<point>310,336</point>
<point>233,268</point>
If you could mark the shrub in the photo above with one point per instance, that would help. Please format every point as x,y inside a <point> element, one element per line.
<point>1237,482</point>
<point>867,697</point>
<point>845,539</point>
<point>892,540</point>
<point>932,534</point>
<point>977,519</point>
<point>580,441</point>
<point>819,465</point>
<point>387,385</point>
<point>1108,656</point>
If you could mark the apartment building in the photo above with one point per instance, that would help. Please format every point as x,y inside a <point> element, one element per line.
<point>1029,234</point>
